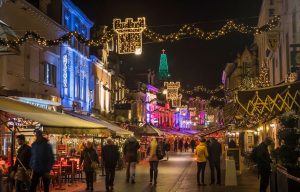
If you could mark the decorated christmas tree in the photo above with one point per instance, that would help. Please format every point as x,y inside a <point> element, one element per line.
<point>264,77</point>
<point>163,66</point>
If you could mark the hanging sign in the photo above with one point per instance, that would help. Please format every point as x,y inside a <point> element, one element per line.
<point>129,34</point>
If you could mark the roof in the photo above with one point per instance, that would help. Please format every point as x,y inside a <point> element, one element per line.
<point>148,130</point>
<point>48,119</point>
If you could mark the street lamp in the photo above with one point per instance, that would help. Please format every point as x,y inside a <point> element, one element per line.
<point>138,51</point>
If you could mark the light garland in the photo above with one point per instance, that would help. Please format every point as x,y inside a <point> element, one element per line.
<point>192,31</point>
<point>186,30</point>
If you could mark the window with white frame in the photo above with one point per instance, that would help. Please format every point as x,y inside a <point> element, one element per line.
<point>50,74</point>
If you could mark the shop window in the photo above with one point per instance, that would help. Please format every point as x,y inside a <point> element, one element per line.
<point>50,74</point>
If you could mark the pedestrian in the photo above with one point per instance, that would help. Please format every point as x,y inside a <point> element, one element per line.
<point>130,151</point>
<point>89,161</point>
<point>167,149</point>
<point>155,153</point>
<point>180,144</point>
<point>175,145</point>
<point>186,146</point>
<point>41,162</point>
<point>110,156</point>
<point>264,163</point>
<point>193,144</point>
<point>214,153</point>
<point>21,167</point>
<point>201,154</point>
<point>232,144</point>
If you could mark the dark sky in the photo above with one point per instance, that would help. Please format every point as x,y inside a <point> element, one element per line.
<point>191,61</point>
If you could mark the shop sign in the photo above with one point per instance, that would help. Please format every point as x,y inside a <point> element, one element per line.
<point>61,148</point>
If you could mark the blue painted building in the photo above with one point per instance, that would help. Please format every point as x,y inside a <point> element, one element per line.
<point>75,63</point>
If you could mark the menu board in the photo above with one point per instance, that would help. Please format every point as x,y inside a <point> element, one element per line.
<point>235,154</point>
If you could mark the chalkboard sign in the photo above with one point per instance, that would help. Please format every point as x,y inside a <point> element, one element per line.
<point>234,153</point>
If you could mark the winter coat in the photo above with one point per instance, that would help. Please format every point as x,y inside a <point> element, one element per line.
<point>263,158</point>
<point>193,143</point>
<point>214,151</point>
<point>42,158</point>
<point>87,156</point>
<point>131,147</point>
<point>110,155</point>
<point>201,152</point>
<point>23,155</point>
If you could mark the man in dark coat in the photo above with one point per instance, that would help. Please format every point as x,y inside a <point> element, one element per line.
<point>175,145</point>
<point>41,162</point>
<point>110,156</point>
<point>193,144</point>
<point>263,163</point>
<point>180,144</point>
<point>88,156</point>
<point>21,165</point>
<point>214,155</point>
<point>130,150</point>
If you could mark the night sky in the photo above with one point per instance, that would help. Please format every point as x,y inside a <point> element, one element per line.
<point>191,61</point>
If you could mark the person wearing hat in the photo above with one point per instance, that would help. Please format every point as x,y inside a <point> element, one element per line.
<point>110,156</point>
<point>41,162</point>
<point>264,163</point>
<point>21,166</point>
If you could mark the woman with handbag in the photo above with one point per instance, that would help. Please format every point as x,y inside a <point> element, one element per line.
<point>155,153</point>
<point>89,162</point>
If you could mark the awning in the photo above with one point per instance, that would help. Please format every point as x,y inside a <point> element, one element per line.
<point>113,128</point>
<point>272,100</point>
<point>148,130</point>
<point>51,121</point>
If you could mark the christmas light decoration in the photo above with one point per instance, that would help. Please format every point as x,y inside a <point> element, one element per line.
<point>130,38</point>
<point>129,34</point>
<point>163,67</point>
<point>172,93</point>
<point>263,79</point>
<point>230,26</point>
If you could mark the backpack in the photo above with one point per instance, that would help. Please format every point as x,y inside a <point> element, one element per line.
<point>254,155</point>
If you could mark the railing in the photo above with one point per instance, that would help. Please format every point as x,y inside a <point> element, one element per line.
<point>282,181</point>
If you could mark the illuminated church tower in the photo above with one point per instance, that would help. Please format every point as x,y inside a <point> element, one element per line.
<point>163,66</point>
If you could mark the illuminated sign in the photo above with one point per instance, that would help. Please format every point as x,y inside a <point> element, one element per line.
<point>65,71</point>
<point>129,34</point>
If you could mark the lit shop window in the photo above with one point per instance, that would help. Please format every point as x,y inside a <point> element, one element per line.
<point>50,74</point>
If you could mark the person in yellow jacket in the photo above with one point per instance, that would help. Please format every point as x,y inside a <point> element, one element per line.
<point>201,155</point>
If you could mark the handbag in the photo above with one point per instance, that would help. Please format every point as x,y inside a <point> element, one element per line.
<point>159,154</point>
<point>94,164</point>
<point>23,171</point>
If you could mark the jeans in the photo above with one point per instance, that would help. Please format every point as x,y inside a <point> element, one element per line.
<point>200,168</point>
<point>89,178</point>
<point>130,172</point>
<point>264,180</point>
<point>215,165</point>
<point>153,170</point>
<point>35,181</point>
<point>110,176</point>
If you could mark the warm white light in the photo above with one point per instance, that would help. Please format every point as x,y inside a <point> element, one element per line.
<point>165,91</point>
<point>138,51</point>
<point>273,125</point>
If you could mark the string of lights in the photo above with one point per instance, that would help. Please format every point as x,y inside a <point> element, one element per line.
<point>190,30</point>
<point>187,30</point>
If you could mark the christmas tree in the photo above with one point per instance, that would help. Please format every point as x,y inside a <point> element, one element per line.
<point>264,77</point>
<point>163,66</point>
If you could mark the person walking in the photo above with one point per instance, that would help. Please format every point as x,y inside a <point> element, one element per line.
<point>193,144</point>
<point>167,149</point>
<point>186,146</point>
<point>201,154</point>
<point>41,161</point>
<point>21,166</point>
<point>176,145</point>
<point>155,153</point>
<point>180,144</point>
<point>130,151</point>
<point>264,163</point>
<point>214,152</point>
<point>88,161</point>
<point>110,156</point>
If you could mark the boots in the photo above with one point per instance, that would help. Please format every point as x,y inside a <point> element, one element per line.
<point>151,175</point>
<point>155,177</point>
